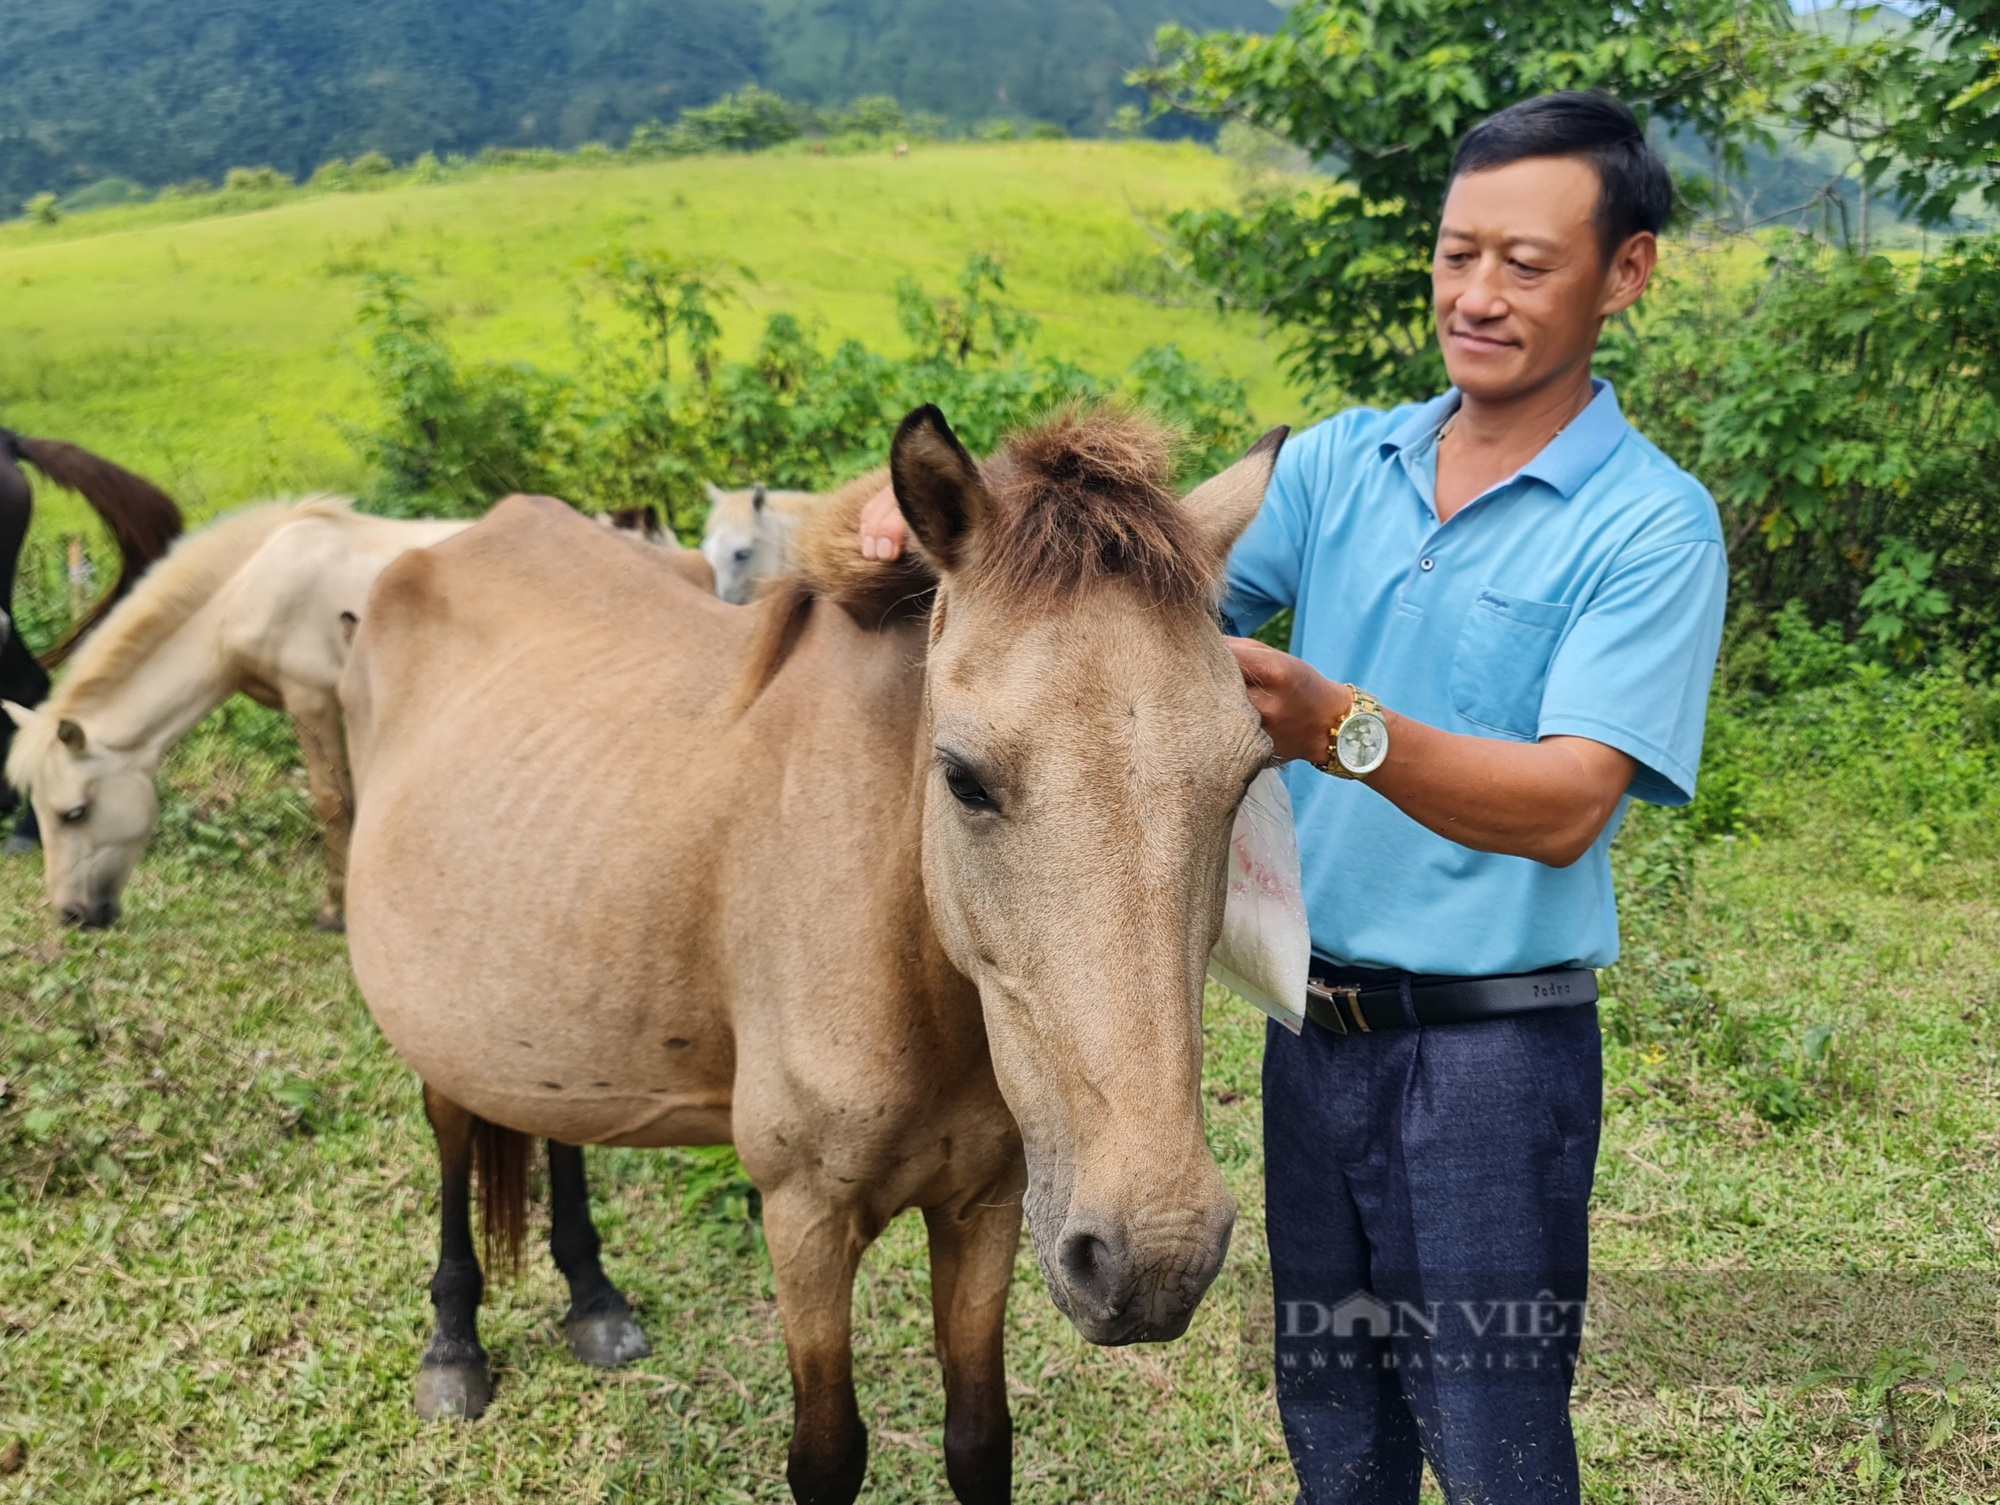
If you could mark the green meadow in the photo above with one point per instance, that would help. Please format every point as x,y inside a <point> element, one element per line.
<point>217,1225</point>
<point>217,1194</point>
<point>215,351</point>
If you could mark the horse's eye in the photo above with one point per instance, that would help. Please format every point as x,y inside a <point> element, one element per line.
<point>742,556</point>
<point>967,790</point>
<point>75,815</point>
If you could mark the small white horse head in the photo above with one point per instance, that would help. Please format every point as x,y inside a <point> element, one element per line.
<point>743,541</point>
<point>97,809</point>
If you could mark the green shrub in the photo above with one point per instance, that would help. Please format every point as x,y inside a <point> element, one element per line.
<point>451,441</point>
<point>749,120</point>
<point>190,188</point>
<point>254,180</point>
<point>333,173</point>
<point>42,209</point>
<point>371,165</point>
<point>652,412</point>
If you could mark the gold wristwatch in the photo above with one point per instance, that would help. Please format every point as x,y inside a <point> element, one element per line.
<point>1359,741</point>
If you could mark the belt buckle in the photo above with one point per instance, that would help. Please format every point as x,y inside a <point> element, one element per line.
<point>1334,995</point>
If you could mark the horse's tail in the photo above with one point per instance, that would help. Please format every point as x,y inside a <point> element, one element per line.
<point>500,1160</point>
<point>143,520</point>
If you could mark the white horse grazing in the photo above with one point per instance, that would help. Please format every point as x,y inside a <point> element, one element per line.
<point>262,603</point>
<point>748,537</point>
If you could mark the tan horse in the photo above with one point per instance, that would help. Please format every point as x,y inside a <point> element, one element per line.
<point>902,882</point>
<point>254,605</point>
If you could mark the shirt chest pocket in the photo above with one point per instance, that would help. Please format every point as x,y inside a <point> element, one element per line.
<point>1502,662</point>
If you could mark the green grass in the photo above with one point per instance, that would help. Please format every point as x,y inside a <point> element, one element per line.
<point>217,1202</point>
<point>217,1194</point>
<point>215,351</point>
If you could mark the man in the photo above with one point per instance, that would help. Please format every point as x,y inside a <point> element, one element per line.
<point>1529,596</point>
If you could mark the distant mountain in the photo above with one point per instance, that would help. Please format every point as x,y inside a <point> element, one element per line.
<point>164,90</point>
<point>1059,60</point>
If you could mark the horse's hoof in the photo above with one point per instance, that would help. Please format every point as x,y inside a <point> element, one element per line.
<point>607,1340</point>
<point>330,920</point>
<point>453,1392</point>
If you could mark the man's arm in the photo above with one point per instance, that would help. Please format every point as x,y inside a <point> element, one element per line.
<point>1548,801</point>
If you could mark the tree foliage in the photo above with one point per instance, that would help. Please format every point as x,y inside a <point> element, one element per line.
<point>1380,91</point>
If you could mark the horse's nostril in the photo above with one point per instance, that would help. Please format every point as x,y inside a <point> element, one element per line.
<point>1096,1271</point>
<point>72,915</point>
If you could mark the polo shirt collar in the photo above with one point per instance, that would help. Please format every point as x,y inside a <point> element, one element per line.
<point>1566,461</point>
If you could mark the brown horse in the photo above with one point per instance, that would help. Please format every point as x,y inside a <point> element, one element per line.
<point>903,880</point>
<point>143,521</point>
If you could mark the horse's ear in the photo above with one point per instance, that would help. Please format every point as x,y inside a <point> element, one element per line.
<point>70,734</point>
<point>1222,508</point>
<point>20,715</point>
<point>937,486</point>
<point>757,499</point>
<point>714,493</point>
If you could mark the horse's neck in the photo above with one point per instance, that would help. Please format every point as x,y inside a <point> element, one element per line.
<point>865,688</point>
<point>164,695</point>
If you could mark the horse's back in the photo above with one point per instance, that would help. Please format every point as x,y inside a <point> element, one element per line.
<point>524,702</point>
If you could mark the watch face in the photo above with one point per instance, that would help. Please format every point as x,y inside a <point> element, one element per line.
<point>1363,742</point>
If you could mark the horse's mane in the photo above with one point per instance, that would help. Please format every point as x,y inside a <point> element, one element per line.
<point>1083,498</point>
<point>171,592</point>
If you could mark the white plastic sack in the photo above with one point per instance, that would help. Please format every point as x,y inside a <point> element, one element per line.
<point>1265,947</point>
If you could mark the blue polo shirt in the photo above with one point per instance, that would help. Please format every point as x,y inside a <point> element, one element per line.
<point>1582,598</point>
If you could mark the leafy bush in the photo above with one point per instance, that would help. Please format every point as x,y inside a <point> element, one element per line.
<point>746,121</point>
<point>42,209</point>
<point>254,180</point>
<point>1845,411</point>
<point>653,411</point>
<point>451,441</point>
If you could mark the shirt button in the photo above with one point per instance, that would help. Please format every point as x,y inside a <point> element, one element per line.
<point>1424,564</point>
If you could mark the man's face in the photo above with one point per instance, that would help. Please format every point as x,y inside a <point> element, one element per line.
<point>1520,279</point>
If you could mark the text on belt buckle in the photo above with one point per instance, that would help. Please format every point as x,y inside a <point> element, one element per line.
<point>1335,996</point>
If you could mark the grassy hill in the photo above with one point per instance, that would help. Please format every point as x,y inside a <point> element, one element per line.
<point>215,351</point>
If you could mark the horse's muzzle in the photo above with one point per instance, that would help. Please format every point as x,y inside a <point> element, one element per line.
<point>1115,1294</point>
<point>96,915</point>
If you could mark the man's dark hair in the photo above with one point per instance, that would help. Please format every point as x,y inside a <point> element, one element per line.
<point>1636,192</point>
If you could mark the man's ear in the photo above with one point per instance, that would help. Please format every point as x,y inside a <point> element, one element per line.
<point>70,734</point>
<point>937,486</point>
<point>1222,508</point>
<point>20,715</point>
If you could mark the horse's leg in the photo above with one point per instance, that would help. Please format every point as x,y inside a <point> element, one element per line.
<point>452,1381</point>
<point>972,1263</point>
<point>600,1326</point>
<point>318,721</point>
<point>816,1246</point>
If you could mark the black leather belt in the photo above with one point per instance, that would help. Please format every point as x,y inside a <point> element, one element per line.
<point>1350,1000</point>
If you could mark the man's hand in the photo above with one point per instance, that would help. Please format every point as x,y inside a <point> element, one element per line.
<point>883,531</point>
<point>1300,706</point>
